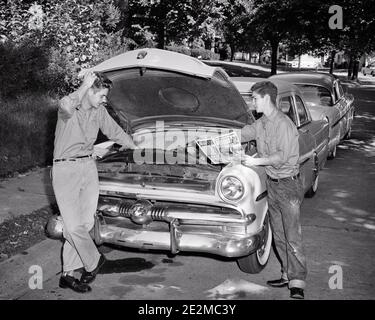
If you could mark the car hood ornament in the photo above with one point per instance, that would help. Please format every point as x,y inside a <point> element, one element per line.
<point>139,212</point>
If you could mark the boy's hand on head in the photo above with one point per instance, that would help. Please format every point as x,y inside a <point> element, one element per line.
<point>89,79</point>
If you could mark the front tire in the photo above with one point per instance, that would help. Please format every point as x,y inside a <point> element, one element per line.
<point>255,262</point>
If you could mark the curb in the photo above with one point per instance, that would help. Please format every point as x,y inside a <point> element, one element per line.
<point>14,272</point>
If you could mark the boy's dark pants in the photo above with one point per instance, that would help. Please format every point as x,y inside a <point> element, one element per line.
<point>284,201</point>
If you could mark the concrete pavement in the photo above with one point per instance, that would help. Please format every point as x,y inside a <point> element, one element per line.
<point>25,193</point>
<point>22,195</point>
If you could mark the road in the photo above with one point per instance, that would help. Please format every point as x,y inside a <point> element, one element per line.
<point>338,227</point>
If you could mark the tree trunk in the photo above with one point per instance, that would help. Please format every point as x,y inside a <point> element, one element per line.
<point>260,57</point>
<point>350,66</point>
<point>161,36</point>
<point>207,44</point>
<point>333,53</point>
<point>213,45</point>
<point>232,49</point>
<point>274,48</point>
<point>355,69</point>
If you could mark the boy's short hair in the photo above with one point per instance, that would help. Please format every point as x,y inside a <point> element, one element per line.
<point>101,82</point>
<point>265,87</point>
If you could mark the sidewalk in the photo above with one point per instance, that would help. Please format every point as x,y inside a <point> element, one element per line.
<point>22,195</point>
<point>26,193</point>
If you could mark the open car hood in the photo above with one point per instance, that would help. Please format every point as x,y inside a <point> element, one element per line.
<point>151,83</point>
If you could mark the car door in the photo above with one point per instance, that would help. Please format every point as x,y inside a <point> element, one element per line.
<point>348,100</point>
<point>341,105</point>
<point>306,141</point>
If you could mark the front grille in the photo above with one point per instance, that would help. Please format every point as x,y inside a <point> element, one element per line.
<point>124,209</point>
<point>159,210</point>
<point>157,213</point>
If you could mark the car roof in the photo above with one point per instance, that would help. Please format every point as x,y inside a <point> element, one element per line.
<point>325,80</point>
<point>244,85</point>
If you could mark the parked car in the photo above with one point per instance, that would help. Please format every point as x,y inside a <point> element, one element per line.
<point>306,61</point>
<point>370,69</point>
<point>238,69</point>
<point>179,199</point>
<point>313,134</point>
<point>284,63</point>
<point>326,99</point>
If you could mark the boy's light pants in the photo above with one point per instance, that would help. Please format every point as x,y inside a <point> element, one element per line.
<point>76,187</point>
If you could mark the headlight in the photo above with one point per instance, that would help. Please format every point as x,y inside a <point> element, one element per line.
<point>231,188</point>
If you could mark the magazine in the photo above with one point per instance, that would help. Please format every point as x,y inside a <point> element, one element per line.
<point>221,149</point>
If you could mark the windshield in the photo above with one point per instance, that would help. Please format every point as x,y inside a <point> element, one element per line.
<point>316,95</point>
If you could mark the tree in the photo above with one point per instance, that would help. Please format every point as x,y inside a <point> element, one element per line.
<point>355,38</point>
<point>233,23</point>
<point>78,33</point>
<point>274,20</point>
<point>359,31</point>
<point>175,21</point>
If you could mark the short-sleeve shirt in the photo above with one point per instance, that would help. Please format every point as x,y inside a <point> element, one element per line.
<point>275,134</point>
<point>77,132</point>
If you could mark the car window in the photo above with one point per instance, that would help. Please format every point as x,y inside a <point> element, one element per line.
<point>286,106</point>
<point>316,95</point>
<point>302,113</point>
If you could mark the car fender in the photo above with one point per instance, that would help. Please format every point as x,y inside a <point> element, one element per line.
<point>254,199</point>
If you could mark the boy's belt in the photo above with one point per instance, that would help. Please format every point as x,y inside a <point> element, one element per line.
<point>73,159</point>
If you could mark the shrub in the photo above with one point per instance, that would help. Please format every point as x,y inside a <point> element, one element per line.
<point>27,132</point>
<point>204,54</point>
<point>195,52</point>
<point>179,49</point>
<point>23,68</point>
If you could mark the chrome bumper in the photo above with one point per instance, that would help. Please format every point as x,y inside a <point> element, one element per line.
<point>222,244</point>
